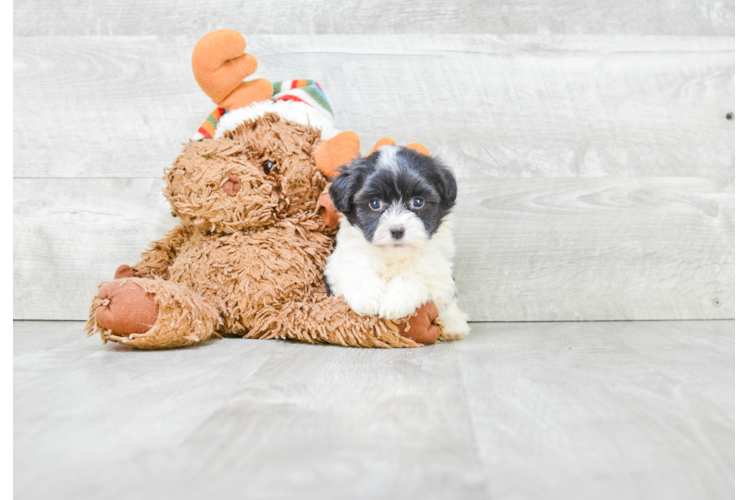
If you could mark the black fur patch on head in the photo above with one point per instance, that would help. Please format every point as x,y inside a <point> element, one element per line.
<point>394,176</point>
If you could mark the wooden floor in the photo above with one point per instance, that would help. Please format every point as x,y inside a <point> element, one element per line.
<point>586,410</point>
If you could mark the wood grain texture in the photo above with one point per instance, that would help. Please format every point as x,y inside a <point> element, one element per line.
<point>523,106</point>
<point>741,256</point>
<point>741,416</point>
<point>71,234</point>
<point>585,249</point>
<point>596,173</point>
<point>160,17</point>
<point>612,410</point>
<point>531,411</point>
<point>527,249</point>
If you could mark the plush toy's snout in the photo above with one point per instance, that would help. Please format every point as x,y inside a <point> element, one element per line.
<point>232,186</point>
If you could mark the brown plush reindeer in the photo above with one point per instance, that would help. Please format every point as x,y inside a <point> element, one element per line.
<point>256,228</point>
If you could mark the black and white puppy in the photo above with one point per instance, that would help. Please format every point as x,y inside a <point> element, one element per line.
<point>394,247</point>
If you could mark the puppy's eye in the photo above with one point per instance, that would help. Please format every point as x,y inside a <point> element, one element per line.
<point>417,202</point>
<point>268,167</point>
<point>376,204</point>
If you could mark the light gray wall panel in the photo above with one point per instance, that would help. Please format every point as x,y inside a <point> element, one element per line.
<point>527,249</point>
<point>162,17</point>
<point>596,172</point>
<point>514,106</point>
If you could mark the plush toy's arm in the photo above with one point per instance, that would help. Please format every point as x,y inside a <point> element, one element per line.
<point>326,209</point>
<point>160,254</point>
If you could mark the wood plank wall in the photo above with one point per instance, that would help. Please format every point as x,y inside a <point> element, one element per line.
<point>594,159</point>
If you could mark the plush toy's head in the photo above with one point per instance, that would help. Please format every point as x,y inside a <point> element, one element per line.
<point>263,167</point>
<point>258,173</point>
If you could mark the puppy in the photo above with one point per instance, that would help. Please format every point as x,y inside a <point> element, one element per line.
<point>394,247</point>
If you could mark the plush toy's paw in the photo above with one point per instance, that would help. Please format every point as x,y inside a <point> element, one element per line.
<point>422,327</point>
<point>126,308</point>
<point>330,216</point>
<point>365,302</point>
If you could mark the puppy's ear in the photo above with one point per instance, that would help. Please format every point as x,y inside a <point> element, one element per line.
<point>343,188</point>
<point>447,188</point>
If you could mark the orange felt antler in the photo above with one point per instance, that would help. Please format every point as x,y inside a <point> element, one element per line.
<point>220,67</point>
<point>336,152</point>
<point>417,146</point>
<point>386,141</point>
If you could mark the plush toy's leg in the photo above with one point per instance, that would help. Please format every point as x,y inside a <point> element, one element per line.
<point>150,314</point>
<point>330,320</point>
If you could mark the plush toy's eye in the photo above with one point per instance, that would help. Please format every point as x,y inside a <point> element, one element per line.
<point>268,167</point>
<point>375,204</point>
<point>417,202</point>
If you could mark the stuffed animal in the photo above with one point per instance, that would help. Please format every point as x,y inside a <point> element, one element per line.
<point>256,225</point>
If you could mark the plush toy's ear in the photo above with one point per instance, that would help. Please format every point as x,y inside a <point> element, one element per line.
<point>343,188</point>
<point>384,141</point>
<point>220,67</point>
<point>416,146</point>
<point>335,152</point>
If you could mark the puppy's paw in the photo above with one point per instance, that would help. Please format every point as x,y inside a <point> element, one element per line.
<point>396,306</point>
<point>454,323</point>
<point>366,301</point>
<point>455,333</point>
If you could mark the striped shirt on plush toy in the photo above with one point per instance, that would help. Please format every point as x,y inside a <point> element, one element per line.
<point>306,91</point>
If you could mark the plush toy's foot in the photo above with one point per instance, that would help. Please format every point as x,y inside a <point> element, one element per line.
<point>150,314</point>
<point>423,326</point>
<point>125,308</point>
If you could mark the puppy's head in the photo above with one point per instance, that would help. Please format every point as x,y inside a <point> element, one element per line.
<point>396,196</point>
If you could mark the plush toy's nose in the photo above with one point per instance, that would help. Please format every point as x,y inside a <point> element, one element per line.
<point>232,186</point>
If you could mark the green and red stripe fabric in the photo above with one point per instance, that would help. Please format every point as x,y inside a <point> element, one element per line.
<point>307,91</point>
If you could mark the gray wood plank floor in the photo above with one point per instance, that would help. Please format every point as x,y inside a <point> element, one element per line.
<point>518,410</point>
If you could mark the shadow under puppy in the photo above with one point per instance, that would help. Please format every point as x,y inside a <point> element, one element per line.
<point>394,247</point>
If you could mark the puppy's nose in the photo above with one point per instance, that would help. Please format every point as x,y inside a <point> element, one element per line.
<point>397,232</point>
